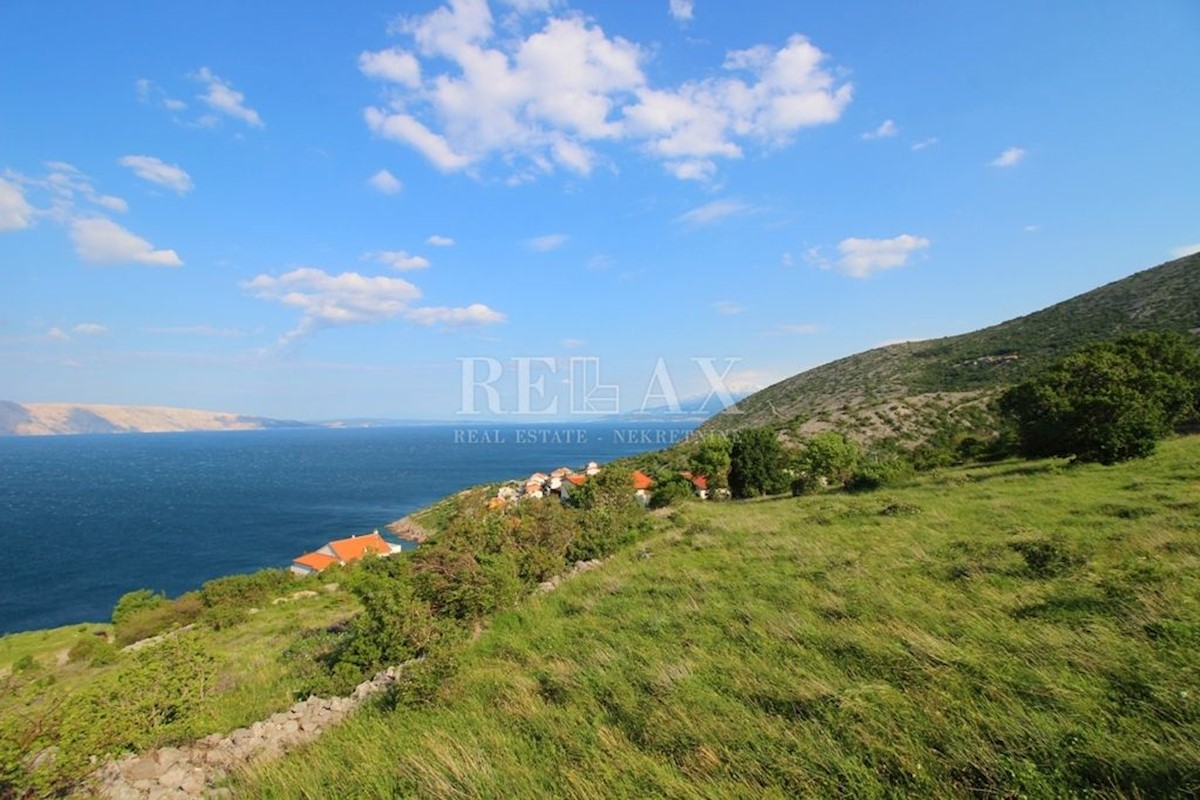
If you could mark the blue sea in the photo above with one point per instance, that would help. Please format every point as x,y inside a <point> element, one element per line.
<point>84,519</point>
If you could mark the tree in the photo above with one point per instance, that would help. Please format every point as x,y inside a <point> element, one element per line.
<point>712,461</point>
<point>829,456</point>
<point>1107,402</point>
<point>756,464</point>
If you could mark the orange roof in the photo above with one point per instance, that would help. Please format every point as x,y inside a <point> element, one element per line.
<point>316,561</point>
<point>356,547</point>
<point>700,482</point>
<point>577,480</point>
<point>641,480</point>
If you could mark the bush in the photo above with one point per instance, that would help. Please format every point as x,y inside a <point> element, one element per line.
<point>756,464</point>
<point>135,602</point>
<point>886,471</point>
<point>1107,402</point>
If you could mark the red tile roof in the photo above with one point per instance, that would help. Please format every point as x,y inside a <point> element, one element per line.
<point>356,547</point>
<point>577,480</point>
<point>315,561</point>
<point>641,480</point>
<point>700,482</point>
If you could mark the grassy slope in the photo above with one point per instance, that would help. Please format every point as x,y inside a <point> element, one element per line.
<point>895,643</point>
<point>970,366</point>
<point>252,681</point>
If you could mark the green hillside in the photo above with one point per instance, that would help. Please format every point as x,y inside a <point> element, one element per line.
<point>1024,629</point>
<point>902,389</point>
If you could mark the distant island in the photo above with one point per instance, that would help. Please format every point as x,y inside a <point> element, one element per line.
<point>49,419</point>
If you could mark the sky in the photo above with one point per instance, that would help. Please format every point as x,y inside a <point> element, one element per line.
<point>423,211</point>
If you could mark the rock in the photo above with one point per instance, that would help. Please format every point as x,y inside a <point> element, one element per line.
<point>144,768</point>
<point>174,777</point>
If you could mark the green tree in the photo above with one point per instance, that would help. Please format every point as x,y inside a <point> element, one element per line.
<point>1107,402</point>
<point>756,464</point>
<point>829,456</point>
<point>670,487</point>
<point>711,460</point>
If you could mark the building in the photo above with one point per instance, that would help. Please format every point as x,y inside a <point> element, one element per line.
<point>343,551</point>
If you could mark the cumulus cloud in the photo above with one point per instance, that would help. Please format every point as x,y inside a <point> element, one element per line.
<point>439,241</point>
<point>859,258</point>
<point>681,9</point>
<point>394,65</point>
<point>385,182</point>
<point>220,96</point>
<point>155,170</point>
<point>399,260</point>
<point>326,300</point>
<point>474,314</point>
<point>726,308</point>
<point>540,100</point>
<point>713,212</point>
<point>886,130</point>
<point>102,241</point>
<point>1009,158</point>
<point>1185,250</point>
<point>15,211</point>
<point>551,241</point>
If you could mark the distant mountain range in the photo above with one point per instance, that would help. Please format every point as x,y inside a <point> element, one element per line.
<point>44,419</point>
<point>905,390</point>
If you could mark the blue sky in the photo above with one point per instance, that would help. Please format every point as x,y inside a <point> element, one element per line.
<point>320,210</point>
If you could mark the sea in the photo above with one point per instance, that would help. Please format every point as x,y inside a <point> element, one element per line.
<point>84,519</point>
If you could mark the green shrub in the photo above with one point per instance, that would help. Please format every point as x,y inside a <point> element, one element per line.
<point>135,602</point>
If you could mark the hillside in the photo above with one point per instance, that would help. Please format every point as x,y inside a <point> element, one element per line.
<point>903,389</point>
<point>1024,629</point>
<point>45,419</point>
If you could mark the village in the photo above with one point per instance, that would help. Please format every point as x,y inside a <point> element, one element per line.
<point>558,483</point>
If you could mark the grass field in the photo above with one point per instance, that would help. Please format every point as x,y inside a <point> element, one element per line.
<point>1025,629</point>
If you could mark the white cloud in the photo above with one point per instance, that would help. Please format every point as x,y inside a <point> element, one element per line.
<point>462,94</point>
<point>885,131</point>
<point>399,260</point>
<point>699,169</point>
<point>921,145</point>
<point>326,300</point>
<point>89,329</point>
<point>155,170</point>
<point>395,65</point>
<point>1009,158</point>
<point>727,308</point>
<point>681,9</point>
<point>861,257</point>
<point>385,182</point>
<point>1185,250</point>
<point>551,241</point>
<point>474,314</point>
<point>57,335</point>
<point>15,211</point>
<point>710,213</point>
<point>1032,228</point>
<point>801,329</point>
<point>573,344</point>
<point>439,241</point>
<point>102,241</point>
<point>220,96</point>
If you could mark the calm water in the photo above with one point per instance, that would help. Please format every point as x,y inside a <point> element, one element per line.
<point>84,519</point>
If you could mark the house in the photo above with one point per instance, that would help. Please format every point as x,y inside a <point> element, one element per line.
<point>642,485</point>
<point>592,468</point>
<point>699,483</point>
<point>343,551</point>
